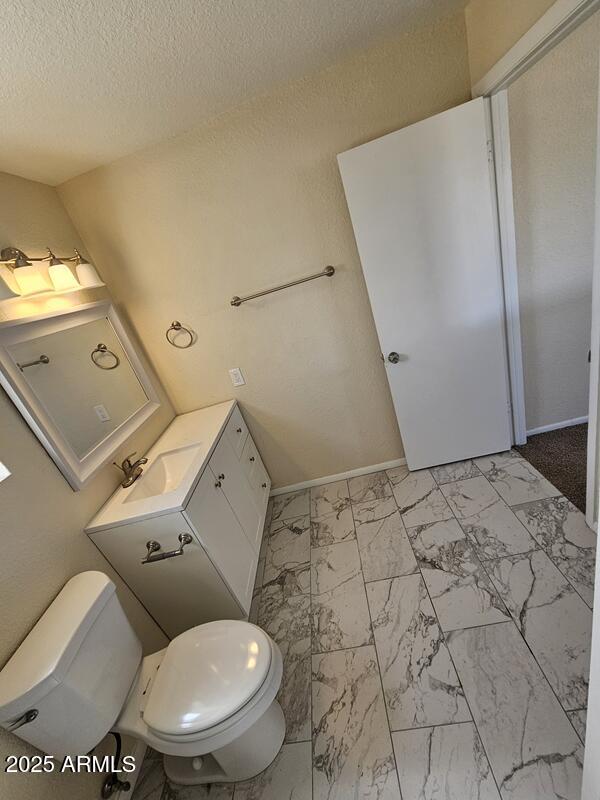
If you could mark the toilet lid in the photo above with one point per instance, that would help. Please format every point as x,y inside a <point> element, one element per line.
<point>208,673</point>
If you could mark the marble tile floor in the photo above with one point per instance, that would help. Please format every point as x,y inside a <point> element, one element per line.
<point>435,629</point>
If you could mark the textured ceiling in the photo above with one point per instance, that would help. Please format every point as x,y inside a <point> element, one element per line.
<point>84,82</point>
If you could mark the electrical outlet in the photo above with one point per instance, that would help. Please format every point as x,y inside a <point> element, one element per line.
<point>236,376</point>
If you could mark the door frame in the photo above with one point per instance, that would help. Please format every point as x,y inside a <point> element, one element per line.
<point>563,17</point>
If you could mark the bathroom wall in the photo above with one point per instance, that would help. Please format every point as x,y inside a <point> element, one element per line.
<point>254,199</point>
<point>494,26</point>
<point>42,543</point>
<point>553,111</point>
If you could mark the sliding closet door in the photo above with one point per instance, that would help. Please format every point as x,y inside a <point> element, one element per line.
<point>422,203</point>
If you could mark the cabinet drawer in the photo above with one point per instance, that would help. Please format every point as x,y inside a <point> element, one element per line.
<point>178,592</point>
<point>230,473</point>
<point>221,535</point>
<point>236,431</point>
<point>250,458</point>
<point>261,485</point>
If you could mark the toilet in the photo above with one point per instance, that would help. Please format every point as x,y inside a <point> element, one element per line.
<point>207,701</point>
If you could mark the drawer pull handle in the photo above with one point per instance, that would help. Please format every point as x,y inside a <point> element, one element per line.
<point>221,476</point>
<point>238,430</point>
<point>251,458</point>
<point>153,547</point>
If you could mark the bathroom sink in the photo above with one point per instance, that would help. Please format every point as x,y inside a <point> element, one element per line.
<point>175,463</point>
<point>165,474</point>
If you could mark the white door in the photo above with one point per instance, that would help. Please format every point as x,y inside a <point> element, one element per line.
<point>422,203</point>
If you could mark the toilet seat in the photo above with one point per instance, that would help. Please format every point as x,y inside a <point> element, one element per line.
<point>208,675</point>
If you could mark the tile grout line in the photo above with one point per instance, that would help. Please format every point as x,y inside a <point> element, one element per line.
<point>383,697</point>
<point>443,636</point>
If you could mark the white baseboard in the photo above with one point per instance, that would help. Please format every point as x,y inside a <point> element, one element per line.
<point>555,426</point>
<point>352,473</point>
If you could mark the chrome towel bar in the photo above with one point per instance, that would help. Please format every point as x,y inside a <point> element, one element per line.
<point>328,272</point>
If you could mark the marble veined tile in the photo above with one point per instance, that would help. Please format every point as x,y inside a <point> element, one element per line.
<point>292,504</point>
<point>470,496</point>
<point>332,528</point>
<point>498,460</point>
<point>339,604</point>
<point>579,721</point>
<point>419,499</point>
<point>443,763</point>
<point>519,483</point>
<point>329,498</point>
<point>385,550</point>
<point>288,555</point>
<point>419,680</point>
<point>495,531</point>
<point>462,594</point>
<point>486,519</point>
<point>369,487</point>
<point>289,777</point>
<point>331,514</point>
<point>554,620</point>
<point>352,748</point>
<point>457,471</point>
<point>287,621</point>
<point>212,791</point>
<point>534,751</point>
<point>560,529</point>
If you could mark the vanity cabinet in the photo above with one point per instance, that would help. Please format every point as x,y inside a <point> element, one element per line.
<point>223,516</point>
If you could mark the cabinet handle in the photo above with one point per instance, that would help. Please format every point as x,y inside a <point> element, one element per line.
<point>221,476</point>
<point>153,547</point>
<point>238,430</point>
<point>251,458</point>
<point>217,484</point>
<point>264,485</point>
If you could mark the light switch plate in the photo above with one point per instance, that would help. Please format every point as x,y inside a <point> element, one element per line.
<point>236,376</point>
<point>102,413</point>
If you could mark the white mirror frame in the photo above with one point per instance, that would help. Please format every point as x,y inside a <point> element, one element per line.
<point>77,471</point>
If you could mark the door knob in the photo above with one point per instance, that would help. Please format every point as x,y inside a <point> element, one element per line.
<point>393,357</point>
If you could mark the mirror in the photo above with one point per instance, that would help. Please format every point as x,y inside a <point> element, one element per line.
<point>79,384</point>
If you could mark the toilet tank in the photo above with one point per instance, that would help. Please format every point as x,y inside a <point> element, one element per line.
<point>75,668</point>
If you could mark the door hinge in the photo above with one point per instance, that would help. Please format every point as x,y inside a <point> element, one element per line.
<point>490,150</point>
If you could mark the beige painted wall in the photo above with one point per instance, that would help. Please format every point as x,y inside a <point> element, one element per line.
<point>42,542</point>
<point>553,110</point>
<point>494,26</point>
<point>251,200</point>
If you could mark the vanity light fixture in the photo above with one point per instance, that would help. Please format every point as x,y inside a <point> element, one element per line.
<point>22,275</point>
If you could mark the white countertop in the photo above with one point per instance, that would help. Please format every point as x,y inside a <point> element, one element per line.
<point>202,427</point>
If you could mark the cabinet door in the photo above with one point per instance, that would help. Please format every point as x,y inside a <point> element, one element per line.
<point>178,592</point>
<point>222,537</point>
<point>226,466</point>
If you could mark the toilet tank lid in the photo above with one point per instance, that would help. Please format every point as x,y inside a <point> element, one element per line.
<point>44,657</point>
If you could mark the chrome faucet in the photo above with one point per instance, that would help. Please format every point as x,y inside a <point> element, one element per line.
<point>131,470</point>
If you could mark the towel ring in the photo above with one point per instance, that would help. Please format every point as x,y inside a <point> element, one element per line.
<point>102,349</point>
<point>177,327</point>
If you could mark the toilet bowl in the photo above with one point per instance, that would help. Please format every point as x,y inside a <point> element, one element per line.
<point>210,692</point>
<point>207,701</point>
